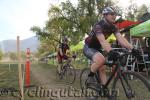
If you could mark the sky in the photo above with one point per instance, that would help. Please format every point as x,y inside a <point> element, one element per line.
<point>18,16</point>
<point>125,3</point>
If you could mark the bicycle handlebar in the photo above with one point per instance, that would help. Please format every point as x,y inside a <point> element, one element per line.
<point>122,52</point>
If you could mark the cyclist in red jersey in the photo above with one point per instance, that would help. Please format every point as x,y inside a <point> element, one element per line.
<point>62,52</point>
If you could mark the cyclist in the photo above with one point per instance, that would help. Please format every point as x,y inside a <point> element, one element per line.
<point>63,49</point>
<point>97,40</point>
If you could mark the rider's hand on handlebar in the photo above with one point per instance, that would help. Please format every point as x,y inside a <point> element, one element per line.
<point>136,53</point>
<point>74,56</point>
<point>113,55</point>
<point>65,56</point>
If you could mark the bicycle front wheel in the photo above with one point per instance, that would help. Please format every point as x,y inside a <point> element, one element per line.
<point>70,73</point>
<point>132,86</point>
<point>84,77</point>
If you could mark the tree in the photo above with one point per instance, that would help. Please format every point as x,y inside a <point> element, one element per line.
<point>70,20</point>
<point>1,54</point>
<point>48,41</point>
<point>75,21</point>
<point>132,11</point>
<point>143,10</point>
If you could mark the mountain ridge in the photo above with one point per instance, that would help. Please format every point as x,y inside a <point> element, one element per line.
<point>10,45</point>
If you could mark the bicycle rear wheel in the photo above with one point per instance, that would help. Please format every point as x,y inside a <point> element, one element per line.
<point>137,87</point>
<point>89,93</point>
<point>70,73</point>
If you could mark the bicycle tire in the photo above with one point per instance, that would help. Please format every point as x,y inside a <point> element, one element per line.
<point>58,76</point>
<point>70,74</point>
<point>140,87</point>
<point>83,77</point>
<point>91,93</point>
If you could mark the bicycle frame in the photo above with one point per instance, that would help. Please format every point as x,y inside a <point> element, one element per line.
<point>112,75</point>
<point>66,63</point>
<point>117,71</point>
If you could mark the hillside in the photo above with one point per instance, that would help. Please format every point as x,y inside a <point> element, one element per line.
<point>10,45</point>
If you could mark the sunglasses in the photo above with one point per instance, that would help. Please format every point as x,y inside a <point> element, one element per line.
<point>113,14</point>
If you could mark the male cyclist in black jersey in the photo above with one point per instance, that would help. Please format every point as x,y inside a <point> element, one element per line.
<point>97,40</point>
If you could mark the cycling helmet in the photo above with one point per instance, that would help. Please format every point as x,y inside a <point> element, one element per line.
<point>65,39</point>
<point>108,10</point>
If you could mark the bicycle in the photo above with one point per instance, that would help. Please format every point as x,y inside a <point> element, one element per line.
<point>67,72</point>
<point>121,84</point>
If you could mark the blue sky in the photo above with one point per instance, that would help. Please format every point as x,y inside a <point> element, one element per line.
<point>18,16</point>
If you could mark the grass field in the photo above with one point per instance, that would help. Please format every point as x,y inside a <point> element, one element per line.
<point>9,75</point>
<point>9,81</point>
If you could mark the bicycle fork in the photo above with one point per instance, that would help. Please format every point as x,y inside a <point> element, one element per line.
<point>124,81</point>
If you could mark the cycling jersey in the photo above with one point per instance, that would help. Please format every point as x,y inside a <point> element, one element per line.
<point>64,48</point>
<point>101,27</point>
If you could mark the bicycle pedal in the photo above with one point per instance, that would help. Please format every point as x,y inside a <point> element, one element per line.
<point>94,86</point>
<point>60,76</point>
<point>99,88</point>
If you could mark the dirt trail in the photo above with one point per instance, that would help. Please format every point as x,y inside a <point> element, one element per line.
<point>47,80</point>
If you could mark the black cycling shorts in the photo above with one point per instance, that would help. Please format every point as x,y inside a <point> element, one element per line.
<point>90,52</point>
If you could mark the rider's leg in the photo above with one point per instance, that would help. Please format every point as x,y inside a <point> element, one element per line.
<point>59,65</point>
<point>98,61</point>
<point>98,64</point>
<point>59,68</point>
<point>102,74</point>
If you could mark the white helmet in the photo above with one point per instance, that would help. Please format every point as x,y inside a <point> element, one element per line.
<point>108,10</point>
<point>65,39</point>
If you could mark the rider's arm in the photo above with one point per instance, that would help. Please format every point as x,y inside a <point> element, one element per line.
<point>60,50</point>
<point>123,41</point>
<point>68,53</point>
<point>105,45</point>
